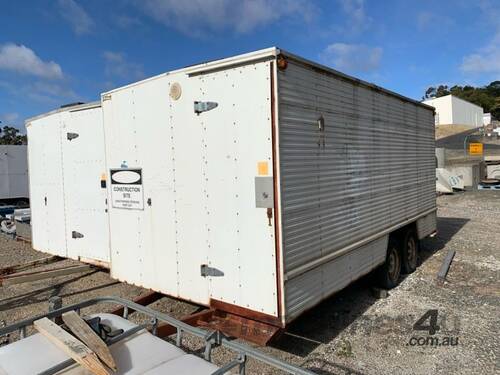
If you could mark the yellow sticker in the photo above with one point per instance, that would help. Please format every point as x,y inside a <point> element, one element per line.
<point>476,149</point>
<point>262,168</point>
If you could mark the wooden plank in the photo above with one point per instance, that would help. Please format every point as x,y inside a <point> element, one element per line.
<point>445,266</point>
<point>87,335</point>
<point>71,346</point>
<point>40,275</point>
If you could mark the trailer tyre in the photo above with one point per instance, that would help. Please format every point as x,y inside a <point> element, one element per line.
<point>389,272</point>
<point>410,252</point>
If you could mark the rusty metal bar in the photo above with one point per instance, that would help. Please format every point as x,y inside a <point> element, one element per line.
<point>143,300</point>
<point>19,278</point>
<point>166,329</point>
<point>23,266</point>
<point>443,271</point>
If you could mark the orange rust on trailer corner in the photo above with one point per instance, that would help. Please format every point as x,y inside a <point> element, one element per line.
<point>143,299</point>
<point>246,313</point>
<point>195,319</point>
<point>237,326</point>
<point>276,194</point>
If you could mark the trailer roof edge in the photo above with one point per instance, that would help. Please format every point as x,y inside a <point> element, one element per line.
<point>76,107</point>
<point>205,66</point>
<point>352,79</point>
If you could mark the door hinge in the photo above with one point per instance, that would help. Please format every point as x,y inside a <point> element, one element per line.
<point>205,271</point>
<point>71,136</point>
<point>200,107</point>
<point>76,234</point>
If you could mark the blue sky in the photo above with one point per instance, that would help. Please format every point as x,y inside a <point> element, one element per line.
<point>62,51</point>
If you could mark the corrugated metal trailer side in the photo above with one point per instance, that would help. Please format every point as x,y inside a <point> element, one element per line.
<point>356,162</point>
<point>67,183</point>
<point>13,172</point>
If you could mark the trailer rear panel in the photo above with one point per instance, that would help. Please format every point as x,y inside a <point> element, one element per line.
<point>199,142</point>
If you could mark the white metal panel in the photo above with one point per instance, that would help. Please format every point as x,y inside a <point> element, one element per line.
<point>466,113</point>
<point>372,168</point>
<point>85,199</point>
<point>4,173</point>
<point>138,134</point>
<point>236,137</point>
<point>46,185</point>
<point>13,172</point>
<point>39,234</point>
<point>198,171</point>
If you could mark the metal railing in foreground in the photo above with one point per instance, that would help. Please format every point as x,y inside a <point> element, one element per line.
<point>211,338</point>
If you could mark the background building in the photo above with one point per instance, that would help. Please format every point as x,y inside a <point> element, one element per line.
<point>487,119</point>
<point>451,110</point>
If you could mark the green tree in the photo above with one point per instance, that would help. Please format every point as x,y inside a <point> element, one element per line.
<point>10,136</point>
<point>487,97</point>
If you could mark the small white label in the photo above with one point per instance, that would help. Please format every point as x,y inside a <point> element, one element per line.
<point>126,189</point>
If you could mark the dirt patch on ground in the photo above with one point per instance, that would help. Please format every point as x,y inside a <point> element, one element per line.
<point>353,332</point>
<point>443,131</point>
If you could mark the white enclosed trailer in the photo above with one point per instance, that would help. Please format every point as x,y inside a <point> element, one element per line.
<point>13,172</point>
<point>67,183</point>
<point>264,183</point>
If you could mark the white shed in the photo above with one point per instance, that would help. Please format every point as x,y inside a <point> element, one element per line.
<point>486,119</point>
<point>451,110</point>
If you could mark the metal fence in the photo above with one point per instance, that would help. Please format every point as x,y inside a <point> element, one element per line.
<point>211,338</point>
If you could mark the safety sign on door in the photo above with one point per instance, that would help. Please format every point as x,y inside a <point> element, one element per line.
<point>126,189</point>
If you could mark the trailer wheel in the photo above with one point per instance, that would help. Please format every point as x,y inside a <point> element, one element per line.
<point>389,272</point>
<point>410,252</point>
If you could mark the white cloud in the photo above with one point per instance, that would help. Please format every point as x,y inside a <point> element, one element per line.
<point>9,118</point>
<point>198,17</point>
<point>21,59</point>
<point>352,58</point>
<point>41,91</point>
<point>485,60</point>
<point>76,16</point>
<point>116,65</point>
<point>358,19</point>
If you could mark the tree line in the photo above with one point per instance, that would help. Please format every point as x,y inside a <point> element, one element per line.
<point>10,136</point>
<point>487,96</point>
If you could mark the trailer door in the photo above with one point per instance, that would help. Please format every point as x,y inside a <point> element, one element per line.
<point>238,169</point>
<point>38,185</point>
<point>84,166</point>
<point>46,185</point>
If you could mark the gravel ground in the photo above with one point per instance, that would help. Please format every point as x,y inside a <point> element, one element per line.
<point>352,332</point>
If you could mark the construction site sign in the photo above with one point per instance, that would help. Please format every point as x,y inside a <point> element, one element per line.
<point>126,189</point>
<point>475,149</point>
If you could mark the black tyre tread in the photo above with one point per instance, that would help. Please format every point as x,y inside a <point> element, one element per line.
<point>406,267</point>
<point>382,273</point>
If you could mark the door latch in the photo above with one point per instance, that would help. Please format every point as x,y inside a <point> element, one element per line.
<point>205,271</point>
<point>200,107</point>
<point>76,234</point>
<point>71,136</point>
